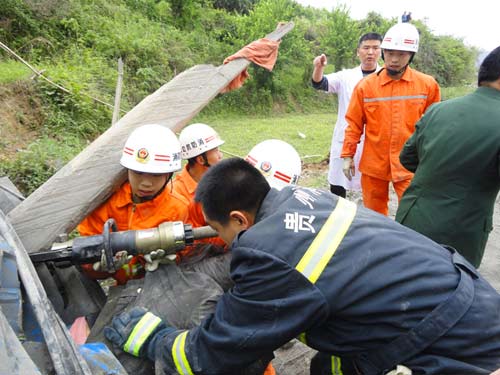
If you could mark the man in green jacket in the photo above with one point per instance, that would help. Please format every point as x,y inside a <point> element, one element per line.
<point>455,154</point>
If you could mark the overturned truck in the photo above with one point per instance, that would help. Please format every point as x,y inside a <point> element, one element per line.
<point>40,299</point>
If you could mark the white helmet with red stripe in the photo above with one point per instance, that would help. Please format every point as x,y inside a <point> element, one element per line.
<point>152,149</point>
<point>278,161</point>
<point>195,139</point>
<point>401,37</point>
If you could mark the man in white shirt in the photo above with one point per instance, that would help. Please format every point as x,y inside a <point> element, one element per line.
<point>342,83</point>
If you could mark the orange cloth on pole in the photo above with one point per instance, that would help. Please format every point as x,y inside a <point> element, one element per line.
<point>128,215</point>
<point>185,186</point>
<point>263,52</point>
<point>269,370</point>
<point>386,110</point>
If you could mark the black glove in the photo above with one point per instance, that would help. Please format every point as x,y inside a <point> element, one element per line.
<point>133,330</point>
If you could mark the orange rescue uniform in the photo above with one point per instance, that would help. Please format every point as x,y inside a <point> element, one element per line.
<point>185,186</point>
<point>386,110</point>
<point>128,215</point>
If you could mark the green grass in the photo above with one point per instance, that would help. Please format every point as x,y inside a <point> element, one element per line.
<point>454,92</point>
<point>11,71</point>
<point>39,161</point>
<point>310,134</point>
<point>242,133</point>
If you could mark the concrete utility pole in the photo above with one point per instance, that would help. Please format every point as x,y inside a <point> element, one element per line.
<point>118,92</point>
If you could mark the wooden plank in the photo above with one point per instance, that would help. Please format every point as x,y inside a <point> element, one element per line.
<point>89,179</point>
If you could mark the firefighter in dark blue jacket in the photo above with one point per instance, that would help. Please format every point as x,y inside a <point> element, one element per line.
<point>366,292</point>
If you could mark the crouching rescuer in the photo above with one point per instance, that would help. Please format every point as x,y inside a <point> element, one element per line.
<point>151,154</point>
<point>369,294</point>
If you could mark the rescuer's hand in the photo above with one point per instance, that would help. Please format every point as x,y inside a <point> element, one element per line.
<point>133,330</point>
<point>120,259</point>
<point>348,167</point>
<point>320,61</point>
<point>157,257</point>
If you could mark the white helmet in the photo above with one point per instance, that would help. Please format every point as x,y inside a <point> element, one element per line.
<point>195,139</point>
<point>401,37</point>
<point>278,161</point>
<point>152,149</point>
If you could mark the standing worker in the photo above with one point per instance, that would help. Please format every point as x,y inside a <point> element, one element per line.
<point>385,107</point>
<point>342,83</point>
<point>307,264</point>
<point>455,154</point>
<point>151,154</point>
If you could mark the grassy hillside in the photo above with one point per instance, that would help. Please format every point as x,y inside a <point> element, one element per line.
<point>76,44</point>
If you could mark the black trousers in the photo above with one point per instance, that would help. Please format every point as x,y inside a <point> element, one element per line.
<point>338,190</point>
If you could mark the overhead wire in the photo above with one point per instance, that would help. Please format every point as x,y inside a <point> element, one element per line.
<point>62,88</point>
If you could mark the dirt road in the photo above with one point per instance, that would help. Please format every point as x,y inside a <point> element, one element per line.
<point>490,266</point>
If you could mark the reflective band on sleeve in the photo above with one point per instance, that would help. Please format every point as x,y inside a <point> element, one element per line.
<point>327,241</point>
<point>336,366</point>
<point>388,98</point>
<point>179,355</point>
<point>140,333</point>
<point>302,338</point>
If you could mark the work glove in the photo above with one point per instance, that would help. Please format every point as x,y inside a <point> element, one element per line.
<point>348,167</point>
<point>133,330</point>
<point>157,257</point>
<point>120,259</point>
<point>400,370</point>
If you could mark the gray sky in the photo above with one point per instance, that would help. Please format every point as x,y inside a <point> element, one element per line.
<point>476,22</point>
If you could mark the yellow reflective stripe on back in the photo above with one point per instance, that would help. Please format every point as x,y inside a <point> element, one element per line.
<point>179,355</point>
<point>140,333</point>
<point>327,241</point>
<point>336,366</point>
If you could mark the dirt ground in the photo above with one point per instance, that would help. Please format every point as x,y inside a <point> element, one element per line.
<point>314,173</point>
<point>20,115</point>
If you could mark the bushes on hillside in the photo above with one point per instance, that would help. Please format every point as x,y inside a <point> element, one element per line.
<point>78,42</point>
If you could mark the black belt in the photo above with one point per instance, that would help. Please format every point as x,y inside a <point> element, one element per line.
<point>427,331</point>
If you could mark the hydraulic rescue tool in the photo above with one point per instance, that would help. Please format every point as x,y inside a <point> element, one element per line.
<point>169,236</point>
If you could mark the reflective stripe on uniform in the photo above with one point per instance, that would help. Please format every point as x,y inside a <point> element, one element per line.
<point>302,338</point>
<point>141,332</point>
<point>179,355</point>
<point>336,366</point>
<point>388,98</point>
<point>327,241</point>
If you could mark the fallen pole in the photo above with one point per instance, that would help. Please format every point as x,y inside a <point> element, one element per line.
<point>89,179</point>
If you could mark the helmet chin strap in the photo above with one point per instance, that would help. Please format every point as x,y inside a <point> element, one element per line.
<point>394,73</point>
<point>147,198</point>
<point>205,161</point>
